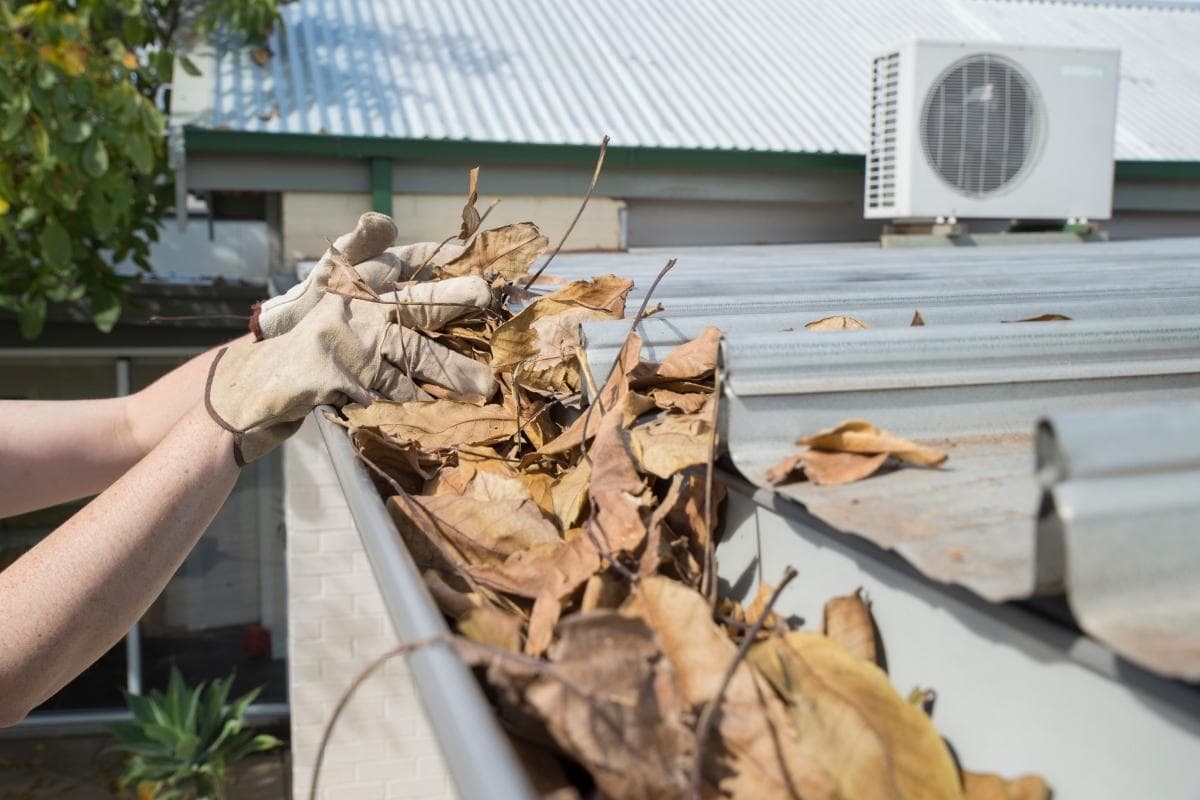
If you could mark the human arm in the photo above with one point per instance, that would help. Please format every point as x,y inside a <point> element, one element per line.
<point>76,593</point>
<point>53,451</point>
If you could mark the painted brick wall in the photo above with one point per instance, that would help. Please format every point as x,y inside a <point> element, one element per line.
<point>382,746</point>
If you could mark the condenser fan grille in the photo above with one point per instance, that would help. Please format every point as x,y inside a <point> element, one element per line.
<point>982,124</point>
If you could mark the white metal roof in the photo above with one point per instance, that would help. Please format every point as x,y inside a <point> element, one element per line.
<point>770,75</point>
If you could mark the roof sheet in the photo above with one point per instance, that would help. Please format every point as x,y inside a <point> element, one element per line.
<point>766,75</point>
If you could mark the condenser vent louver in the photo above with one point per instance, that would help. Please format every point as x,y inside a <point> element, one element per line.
<point>990,130</point>
<point>981,124</point>
<point>881,166</point>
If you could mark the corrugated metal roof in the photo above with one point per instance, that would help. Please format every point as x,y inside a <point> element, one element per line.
<point>769,75</point>
<point>966,381</point>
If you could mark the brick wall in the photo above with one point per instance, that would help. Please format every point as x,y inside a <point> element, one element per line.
<point>382,746</point>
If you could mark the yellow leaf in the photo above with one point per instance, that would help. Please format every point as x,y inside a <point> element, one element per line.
<point>848,621</point>
<point>860,436</point>
<point>570,493</point>
<point>836,323</point>
<point>873,744</point>
<point>4,206</point>
<point>129,60</point>
<point>508,252</point>
<point>985,786</point>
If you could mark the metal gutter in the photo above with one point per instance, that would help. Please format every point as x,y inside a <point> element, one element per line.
<point>479,756</point>
<point>1119,515</point>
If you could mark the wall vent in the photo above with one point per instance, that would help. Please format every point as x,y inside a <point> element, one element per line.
<point>881,157</point>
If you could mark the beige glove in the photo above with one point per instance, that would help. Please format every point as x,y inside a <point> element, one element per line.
<point>367,248</point>
<point>344,350</point>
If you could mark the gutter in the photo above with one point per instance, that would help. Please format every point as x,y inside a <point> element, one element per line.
<point>478,754</point>
<point>211,141</point>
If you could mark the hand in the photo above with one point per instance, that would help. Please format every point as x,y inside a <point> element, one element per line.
<point>368,248</point>
<point>345,349</point>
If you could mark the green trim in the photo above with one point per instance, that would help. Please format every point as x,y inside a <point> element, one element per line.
<point>1158,170</point>
<point>381,185</point>
<point>203,140</point>
<point>382,150</point>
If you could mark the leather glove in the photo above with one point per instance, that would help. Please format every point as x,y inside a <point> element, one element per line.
<point>342,350</point>
<point>367,249</point>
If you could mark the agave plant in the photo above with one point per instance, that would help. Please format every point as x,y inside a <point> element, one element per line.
<point>183,741</point>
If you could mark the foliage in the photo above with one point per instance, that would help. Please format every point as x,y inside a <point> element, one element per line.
<point>84,181</point>
<point>183,741</point>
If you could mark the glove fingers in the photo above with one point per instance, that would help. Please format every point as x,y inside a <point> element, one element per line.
<point>392,384</point>
<point>382,272</point>
<point>413,256</point>
<point>373,234</point>
<point>433,305</point>
<point>426,360</point>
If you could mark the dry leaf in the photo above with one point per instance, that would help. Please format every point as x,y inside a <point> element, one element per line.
<point>542,340</point>
<point>666,446</point>
<point>683,402</point>
<point>629,732</point>
<point>834,469</point>
<point>570,493</point>
<point>616,492</point>
<point>755,750</point>
<point>860,436</point>
<point>542,619</point>
<point>689,361</point>
<point>470,215</point>
<point>986,786</point>
<point>788,468</point>
<point>1041,318</point>
<point>451,601</point>
<point>541,490</point>
<point>492,626</point>
<point>847,620</point>
<point>603,590</point>
<point>508,252</point>
<point>614,391</point>
<point>435,423</point>
<point>917,320</point>
<point>836,323</point>
<point>345,280</point>
<point>404,462</point>
<point>855,724</point>
<point>759,604</point>
<point>261,55</point>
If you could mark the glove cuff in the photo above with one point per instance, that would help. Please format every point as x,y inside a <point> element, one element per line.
<point>217,418</point>
<point>255,324</point>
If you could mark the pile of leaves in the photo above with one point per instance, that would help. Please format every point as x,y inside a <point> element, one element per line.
<point>566,528</point>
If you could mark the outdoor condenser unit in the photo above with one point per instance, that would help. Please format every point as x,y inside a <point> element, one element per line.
<point>991,130</point>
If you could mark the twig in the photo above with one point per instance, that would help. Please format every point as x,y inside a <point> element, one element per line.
<point>358,681</point>
<point>704,725</point>
<point>517,401</point>
<point>637,318</point>
<point>710,544</point>
<point>578,214</point>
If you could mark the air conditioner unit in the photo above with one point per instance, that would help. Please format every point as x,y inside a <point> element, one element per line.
<point>991,130</point>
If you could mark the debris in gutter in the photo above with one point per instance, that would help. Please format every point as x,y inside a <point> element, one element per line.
<point>850,452</point>
<point>836,323</point>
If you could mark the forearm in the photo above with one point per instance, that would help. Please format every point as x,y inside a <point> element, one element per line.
<point>53,451</point>
<point>76,593</point>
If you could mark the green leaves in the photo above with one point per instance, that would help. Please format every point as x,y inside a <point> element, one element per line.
<point>95,158</point>
<point>183,740</point>
<point>56,244</point>
<point>106,309</point>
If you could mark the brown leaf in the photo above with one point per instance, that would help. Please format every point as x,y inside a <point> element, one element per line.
<point>404,462</point>
<point>756,751</point>
<point>860,436</point>
<point>603,590</point>
<point>917,319</point>
<point>542,619</point>
<point>261,55</point>
<point>345,280</point>
<point>847,620</point>
<point>570,493</point>
<point>785,469</point>
<point>986,786</point>
<point>435,423</point>
<point>614,391</point>
<point>508,252</point>
<point>542,340</point>
<point>451,601</point>
<point>470,215</point>
<point>629,730</point>
<point>836,323</point>
<point>616,490</point>
<point>759,604</point>
<point>541,490</point>
<point>834,469</point>
<point>492,626</point>
<point>855,724</point>
<point>1041,318</point>
<point>684,402</point>
<point>666,446</point>
<point>692,360</point>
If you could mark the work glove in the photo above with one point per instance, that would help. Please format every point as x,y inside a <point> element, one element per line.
<point>368,248</point>
<point>345,350</point>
